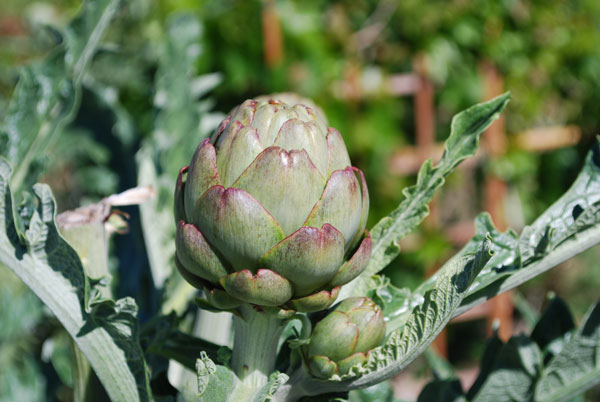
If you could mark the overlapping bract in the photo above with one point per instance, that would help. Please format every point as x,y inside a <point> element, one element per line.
<point>270,211</point>
<point>344,337</point>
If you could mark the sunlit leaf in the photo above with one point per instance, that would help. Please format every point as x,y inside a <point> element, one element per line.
<point>105,330</point>
<point>462,143</point>
<point>568,227</point>
<point>406,343</point>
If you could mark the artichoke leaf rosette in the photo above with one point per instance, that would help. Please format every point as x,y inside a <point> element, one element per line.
<point>270,211</point>
<point>344,338</point>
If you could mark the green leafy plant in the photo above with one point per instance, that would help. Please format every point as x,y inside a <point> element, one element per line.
<point>277,261</point>
<point>555,363</point>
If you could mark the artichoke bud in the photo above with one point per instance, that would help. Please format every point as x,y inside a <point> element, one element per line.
<point>345,336</point>
<point>270,211</point>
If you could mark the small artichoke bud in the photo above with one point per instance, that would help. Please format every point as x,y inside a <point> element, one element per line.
<point>270,211</point>
<point>344,337</point>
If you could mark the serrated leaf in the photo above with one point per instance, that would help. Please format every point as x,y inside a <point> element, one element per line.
<point>514,373</point>
<point>568,227</point>
<point>42,102</point>
<point>205,368</point>
<point>465,131</point>
<point>577,210</point>
<point>577,367</point>
<point>504,246</point>
<point>505,259</point>
<point>405,344</point>
<point>213,383</point>
<point>426,320</point>
<point>396,303</point>
<point>46,95</point>
<point>180,125</point>
<point>266,393</point>
<point>107,334</point>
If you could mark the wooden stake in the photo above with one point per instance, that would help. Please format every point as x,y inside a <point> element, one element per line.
<point>272,38</point>
<point>495,144</point>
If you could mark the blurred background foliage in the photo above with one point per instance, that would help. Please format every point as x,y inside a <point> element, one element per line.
<point>338,53</point>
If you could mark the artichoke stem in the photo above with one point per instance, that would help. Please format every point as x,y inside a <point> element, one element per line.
<point>255,345</point>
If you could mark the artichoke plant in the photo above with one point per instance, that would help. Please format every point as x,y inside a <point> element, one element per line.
<point>344,337</point>
<point>270,211</point>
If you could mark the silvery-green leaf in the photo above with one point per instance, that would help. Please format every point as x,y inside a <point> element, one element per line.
<point>516,371</point>
<point>513,375</point>
<point>177,132</point>
<point>577,367</point>
<point>488,361</point>
<point>406,343</point>
<point>265,394</point>
<point>570,226</point>
<point>504,246</point>
<point>212,382</point>
<point>577,210</point>
<point>394,302</point>
<point>52,269</point>
<point>462,143</point>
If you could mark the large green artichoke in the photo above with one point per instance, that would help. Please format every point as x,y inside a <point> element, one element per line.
<point>270,211</point>
<point>344,337</point>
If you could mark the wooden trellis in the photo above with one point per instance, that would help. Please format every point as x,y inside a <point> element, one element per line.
<point>406,161</point>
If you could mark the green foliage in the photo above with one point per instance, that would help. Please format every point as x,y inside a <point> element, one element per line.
<point>163,337</point>
<point>180,124</point>
<point>36,252</point>
<point>555,364</point>
<point>404,344</point>
<point>558,234</point>
<point>22,378</point>
<point>46,96</point>
<point>461,144</point>
<point>90,101</point>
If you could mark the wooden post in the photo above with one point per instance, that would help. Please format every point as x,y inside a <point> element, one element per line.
<point>495,145</point>
<point>272,38</point>
<point>424,108</point>
<point>425,142</point>
<point>425,123</point>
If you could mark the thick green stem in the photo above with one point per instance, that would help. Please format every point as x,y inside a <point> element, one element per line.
<point>255,345</point>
